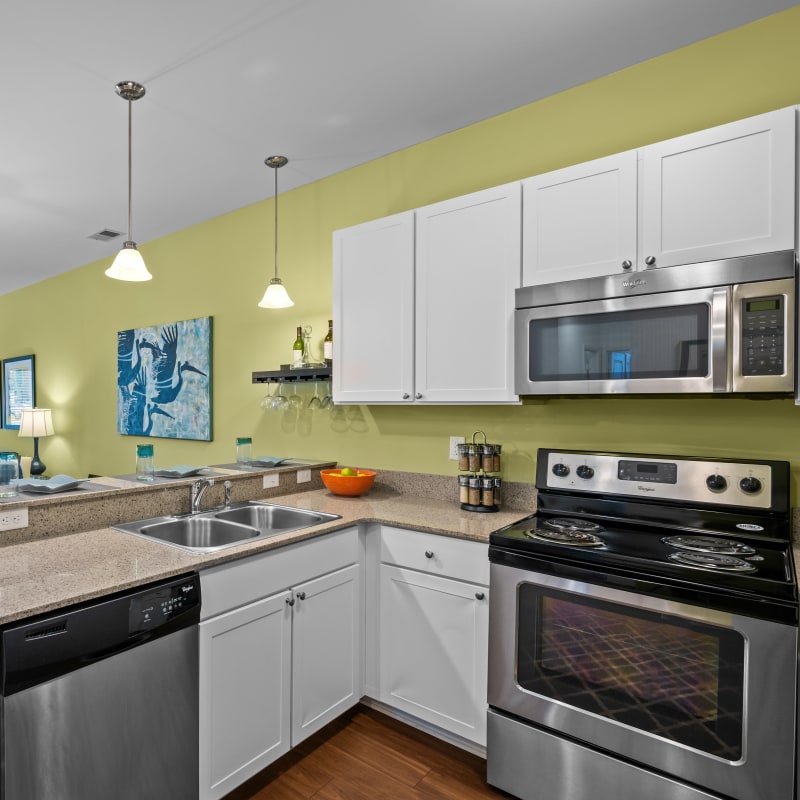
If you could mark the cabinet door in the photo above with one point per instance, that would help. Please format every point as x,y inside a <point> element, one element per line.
<point>434,649</point>
<point>720,193</point>
<point>326,650</point>
<point>373,283</point>
<point>580,222</point>
<point>245,663</point>
<point>468,263</point>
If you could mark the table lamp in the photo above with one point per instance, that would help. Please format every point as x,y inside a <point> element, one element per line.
<point>36,422</point>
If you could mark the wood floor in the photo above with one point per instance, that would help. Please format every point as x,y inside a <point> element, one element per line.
<point>369,756</point>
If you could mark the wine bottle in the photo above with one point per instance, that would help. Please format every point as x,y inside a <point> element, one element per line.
<point>327,344</point>
<point>297,348</point>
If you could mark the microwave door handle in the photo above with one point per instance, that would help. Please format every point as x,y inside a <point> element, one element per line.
<point>720,364</point>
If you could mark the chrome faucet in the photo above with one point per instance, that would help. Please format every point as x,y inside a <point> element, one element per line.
<point>227,494</point>
<point>198,489</point>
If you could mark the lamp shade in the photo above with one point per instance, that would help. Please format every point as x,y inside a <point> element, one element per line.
<point>36,422</point>
<point>129,265</point>
<point>276,296</point>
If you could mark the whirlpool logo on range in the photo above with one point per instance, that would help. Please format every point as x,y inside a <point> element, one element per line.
<point>642,488</point>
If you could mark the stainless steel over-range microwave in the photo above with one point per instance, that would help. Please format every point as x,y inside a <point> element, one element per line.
<point>719,326</point>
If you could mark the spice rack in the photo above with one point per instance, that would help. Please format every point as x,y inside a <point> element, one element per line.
<point>479,485</point>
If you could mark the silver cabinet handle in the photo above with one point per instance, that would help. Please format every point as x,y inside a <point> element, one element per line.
<point>627,264</point>
<point>650,260</point>
<point>301,595</point>
<point>406,395</point>
<point>290,601</point>
<point>418,396</point>
<point>429,554</point>
<point>479,595</point>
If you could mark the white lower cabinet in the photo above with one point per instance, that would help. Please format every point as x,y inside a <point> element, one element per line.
<point>433,627</point>
<point>277,667</point>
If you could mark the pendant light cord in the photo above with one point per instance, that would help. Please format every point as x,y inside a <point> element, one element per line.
<point>130,163</point>
<point>276,223</point>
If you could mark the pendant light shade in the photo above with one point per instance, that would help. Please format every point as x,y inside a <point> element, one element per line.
<point>129,264</point>
<point>276,295</point>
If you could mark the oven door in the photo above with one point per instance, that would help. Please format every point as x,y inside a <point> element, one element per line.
<point>669,342</point>
<point>705,696</point>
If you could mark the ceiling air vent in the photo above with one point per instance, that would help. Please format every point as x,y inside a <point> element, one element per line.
<point>105,235</point>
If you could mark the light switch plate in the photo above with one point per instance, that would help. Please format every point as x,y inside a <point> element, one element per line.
<point>303,475</point>
<point>454,440</point>
<point>271,481</point>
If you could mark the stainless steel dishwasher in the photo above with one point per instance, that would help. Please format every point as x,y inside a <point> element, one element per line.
<point>100,700</point>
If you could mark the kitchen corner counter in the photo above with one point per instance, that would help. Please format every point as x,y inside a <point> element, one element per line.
<point>47,573</point>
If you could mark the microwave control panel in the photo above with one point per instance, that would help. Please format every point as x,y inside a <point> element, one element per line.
<point>763,330</point>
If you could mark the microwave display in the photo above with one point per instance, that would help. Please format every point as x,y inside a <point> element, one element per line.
<point>763,332</point>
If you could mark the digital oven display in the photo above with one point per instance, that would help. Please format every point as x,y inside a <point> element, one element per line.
<point>651,471</point>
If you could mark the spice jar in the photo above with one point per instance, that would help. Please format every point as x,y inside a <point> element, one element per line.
<point>474,491</point>
<point>496,458</point>
<point>463,456</point>
<point>498,491</point>
<point>487,491</point>
<point>463,488</point>
<point>473,451</point>
<point>487,457</point>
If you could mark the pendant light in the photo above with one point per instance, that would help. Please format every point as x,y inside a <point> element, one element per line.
<point>129,264</point>
<point>276,295</point>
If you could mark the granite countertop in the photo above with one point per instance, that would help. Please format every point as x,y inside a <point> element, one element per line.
<point>48,573</point>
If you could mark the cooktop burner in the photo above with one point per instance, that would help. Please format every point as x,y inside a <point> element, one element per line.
<point>572,524</point>
<point>711,561</point>
<point>569,537</point>
<point>709,544</point>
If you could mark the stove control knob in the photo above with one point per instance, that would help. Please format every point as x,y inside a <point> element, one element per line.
<point>716,483</point>
<point>560,470</point>
<point>584,471</point>
<point>750,485</point>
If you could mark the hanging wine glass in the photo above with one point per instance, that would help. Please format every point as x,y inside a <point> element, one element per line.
<point>315,402</point>
<point>327,400</point>
<point>266,400</point>
<point>279,400</point>
<point>295,401</point>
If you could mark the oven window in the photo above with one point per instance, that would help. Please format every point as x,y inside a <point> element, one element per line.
<point>678,679</point>
<point>645,343</point>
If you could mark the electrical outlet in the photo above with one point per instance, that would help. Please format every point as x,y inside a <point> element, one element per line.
<point>271,481</point>
<point>303,475</point>
<point>9,520</point>
<point>455,440</point>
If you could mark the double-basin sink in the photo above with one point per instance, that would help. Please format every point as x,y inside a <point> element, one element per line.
<point>209,531</point>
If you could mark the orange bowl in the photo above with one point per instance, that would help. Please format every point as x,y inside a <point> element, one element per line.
<point>347,485</point>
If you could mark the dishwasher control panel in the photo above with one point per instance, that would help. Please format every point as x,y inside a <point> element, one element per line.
<point>153,608</point>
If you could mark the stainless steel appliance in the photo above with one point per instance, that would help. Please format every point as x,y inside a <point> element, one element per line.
<point>720,326</point>
<point>101,700</point>
<point>643,632</point>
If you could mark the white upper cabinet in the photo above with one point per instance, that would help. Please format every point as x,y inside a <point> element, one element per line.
<point>423,303</point>
<point>580,221</point>
<point>720,193</point>
<point>373,309</point>
<point>467,267</point>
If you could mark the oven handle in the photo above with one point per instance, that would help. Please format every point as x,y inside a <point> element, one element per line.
<point>660,595</point>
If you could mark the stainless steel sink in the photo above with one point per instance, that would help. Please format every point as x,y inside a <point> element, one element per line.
<point>213,530</point>
<point>273,518</point>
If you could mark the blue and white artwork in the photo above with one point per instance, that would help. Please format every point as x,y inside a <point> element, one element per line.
<point>164,380</point>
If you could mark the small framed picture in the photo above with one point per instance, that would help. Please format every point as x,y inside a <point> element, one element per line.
<point>19,389</point>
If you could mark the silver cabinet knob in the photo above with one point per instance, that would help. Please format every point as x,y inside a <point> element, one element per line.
<point>418,396</point>
<point>290,601</point>
<point>479,595</point>
<point>301,595</point>
<point>627,264</point>
<point>406,395</point>
<point>429,554</point>
<point>650,260</point>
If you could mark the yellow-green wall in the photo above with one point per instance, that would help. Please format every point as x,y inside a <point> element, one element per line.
<point>221,267</point>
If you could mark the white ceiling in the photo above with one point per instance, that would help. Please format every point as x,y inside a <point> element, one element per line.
<point>328,83</point>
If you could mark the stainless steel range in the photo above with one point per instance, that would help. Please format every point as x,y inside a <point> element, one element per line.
<point>643,632</point>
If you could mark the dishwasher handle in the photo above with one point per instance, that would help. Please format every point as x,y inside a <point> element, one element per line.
<point>36,651</point>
